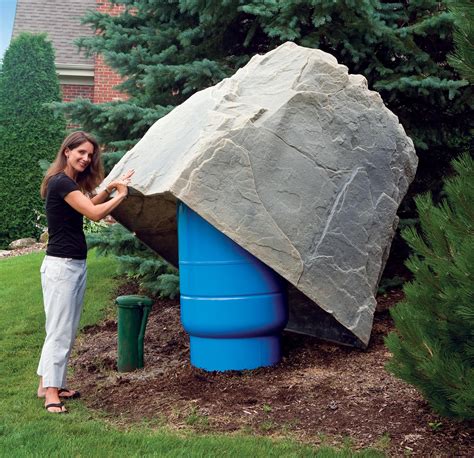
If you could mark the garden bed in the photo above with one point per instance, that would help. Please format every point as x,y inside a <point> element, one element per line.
<point>320,393</point>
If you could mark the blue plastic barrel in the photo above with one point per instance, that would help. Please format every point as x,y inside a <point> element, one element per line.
<point>232,305</point>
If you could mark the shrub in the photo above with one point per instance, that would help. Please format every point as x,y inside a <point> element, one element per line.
<point>136,260</point>
<point>433,348</point>
<point>29,131</point>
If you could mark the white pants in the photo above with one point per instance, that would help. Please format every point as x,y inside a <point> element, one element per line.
<point>64,282</point>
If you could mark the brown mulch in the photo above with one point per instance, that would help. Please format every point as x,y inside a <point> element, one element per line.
<point>320,393</point>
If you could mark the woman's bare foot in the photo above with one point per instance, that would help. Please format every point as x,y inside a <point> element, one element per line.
<point>41,390</point>
<point>64,393</point>
<point>52,402</point>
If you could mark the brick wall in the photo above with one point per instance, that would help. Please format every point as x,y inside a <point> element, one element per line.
<point>104,81</point>
<point>73,91</point>
<point>105,7</point>
<point>104,77</point>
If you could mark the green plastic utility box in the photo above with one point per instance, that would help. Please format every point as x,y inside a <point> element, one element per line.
<point>133,314</point>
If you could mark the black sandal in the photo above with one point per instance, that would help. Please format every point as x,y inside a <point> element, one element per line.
<point>55,404</point>
<point>76,394</point>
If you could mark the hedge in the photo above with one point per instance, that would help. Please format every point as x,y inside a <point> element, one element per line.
<point>29,132</point>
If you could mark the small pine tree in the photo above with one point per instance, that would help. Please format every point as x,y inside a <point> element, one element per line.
<point>136,260</point>
<point>433,348</point>
<point>29,132</point>
<point>463,58</point>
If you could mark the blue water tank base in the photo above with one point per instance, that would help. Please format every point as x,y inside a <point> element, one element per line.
<point>236,354</point>
<point>233,306</point>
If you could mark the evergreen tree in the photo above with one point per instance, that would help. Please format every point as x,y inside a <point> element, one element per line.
<point>136,260</point>
<point>433,348</point>
<point>167,50</point>
<point>29,132</point>
<point>463,58</point>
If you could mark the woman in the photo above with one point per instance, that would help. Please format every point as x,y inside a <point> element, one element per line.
<point>72,177</point>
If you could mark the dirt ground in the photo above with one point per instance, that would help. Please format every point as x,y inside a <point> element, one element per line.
<point>320,393</point>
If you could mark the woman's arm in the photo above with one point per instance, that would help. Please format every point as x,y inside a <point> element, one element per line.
<point>101,197</point>
<point>84,205</point>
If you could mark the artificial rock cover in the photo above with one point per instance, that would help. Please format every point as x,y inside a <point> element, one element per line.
<point>297,162</point>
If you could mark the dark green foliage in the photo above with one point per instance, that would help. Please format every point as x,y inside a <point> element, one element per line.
<point>463,58</point>
<point>387,284</point>
<point>433,348</point>
<point>168,50</point>
<point>136,260</point>
<point>29,132</point>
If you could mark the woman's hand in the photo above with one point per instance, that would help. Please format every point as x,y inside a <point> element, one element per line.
<point>120,185</point>
<point>121,188</point>
<point>124,180</point>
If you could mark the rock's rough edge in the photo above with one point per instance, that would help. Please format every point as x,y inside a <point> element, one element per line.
<point>180,186</point>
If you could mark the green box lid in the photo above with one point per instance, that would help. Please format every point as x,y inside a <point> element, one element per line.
<point>134,300</point>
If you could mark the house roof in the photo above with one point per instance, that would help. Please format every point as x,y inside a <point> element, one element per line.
<point>61,20</point>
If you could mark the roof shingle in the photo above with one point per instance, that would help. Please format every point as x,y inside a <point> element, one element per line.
<point>61,20</point>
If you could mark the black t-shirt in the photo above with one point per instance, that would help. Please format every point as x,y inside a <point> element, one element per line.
<point>65,235</point>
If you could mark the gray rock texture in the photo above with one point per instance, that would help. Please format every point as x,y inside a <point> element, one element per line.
<point>21,243</point>
<point>296,161</point>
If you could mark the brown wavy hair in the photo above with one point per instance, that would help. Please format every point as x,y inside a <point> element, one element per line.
<point>87,180</point>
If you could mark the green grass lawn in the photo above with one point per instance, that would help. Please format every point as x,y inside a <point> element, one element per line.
<point>26,429</point>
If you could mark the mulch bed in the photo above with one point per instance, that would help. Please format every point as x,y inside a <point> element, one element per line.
<point>320,393</point>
